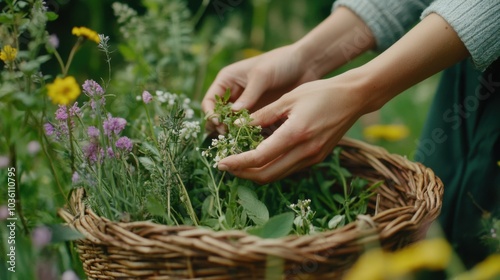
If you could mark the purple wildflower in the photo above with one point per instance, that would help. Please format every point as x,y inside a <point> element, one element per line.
<point>54,41</point>
<point>110,152</point>
<point>41,236</point>
<point>101,102</point>
<point>4,212</point>
<point>74,110</point>
<point>69,275</point>
<point>75,178</point>
<point>93,132</point>
<point>114,125</point>
<point>91,152</point>
<point>33,147</point>
<point>62,113</point>
<point>146,97</point>
<point>4,161</point>
<point>49,129</point>
<point>92,88</point>
<point>124,143</point>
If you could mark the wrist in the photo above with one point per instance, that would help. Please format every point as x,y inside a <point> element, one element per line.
<point>337,40</point>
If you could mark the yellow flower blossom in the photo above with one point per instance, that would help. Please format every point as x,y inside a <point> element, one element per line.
<point>487,269</point>
<point>8,53</point>
<point>247,53</point>
<point>377,264</point>
<point>87,33</point>
<point>63,90</point>
<point>392,132</point>
<point>498,163</point>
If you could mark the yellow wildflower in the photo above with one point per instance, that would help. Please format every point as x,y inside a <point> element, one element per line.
<point>247,53</point>
<point>392,132</point>
<point>487,269</point>
<point>87,33</point>
<point>8,53</point>
<point>63,90</point>
<point>377,264</point>
<point>498,163</point>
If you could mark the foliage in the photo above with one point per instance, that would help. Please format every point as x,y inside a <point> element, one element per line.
<point>136,152</point>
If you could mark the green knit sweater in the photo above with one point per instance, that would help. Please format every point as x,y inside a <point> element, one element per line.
<point>477,22</point>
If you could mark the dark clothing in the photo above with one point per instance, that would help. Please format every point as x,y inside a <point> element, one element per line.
<point>461,143</point>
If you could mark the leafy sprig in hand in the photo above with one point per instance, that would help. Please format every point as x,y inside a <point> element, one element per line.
<point>240,136</point>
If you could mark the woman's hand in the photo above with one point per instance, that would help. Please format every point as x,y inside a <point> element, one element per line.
<point>316,114</point>
<point>259,80</point>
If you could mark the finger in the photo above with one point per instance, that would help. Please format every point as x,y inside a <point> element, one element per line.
<point>270,114</point>
<point>296,159</point>
<point>255,87</point>
<point>277,144</point>
<point>219,86</point>
<point>293,160</point>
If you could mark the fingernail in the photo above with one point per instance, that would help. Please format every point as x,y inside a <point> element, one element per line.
<point>221,129</point>
<point>239,122</point>
<point>223,167</point>
<point>237,105</point>
<point>215,121</point>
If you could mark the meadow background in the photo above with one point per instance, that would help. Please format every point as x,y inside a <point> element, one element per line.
<point>221,32</point>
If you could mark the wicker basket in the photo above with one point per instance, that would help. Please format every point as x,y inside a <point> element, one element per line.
<point>407,202</point>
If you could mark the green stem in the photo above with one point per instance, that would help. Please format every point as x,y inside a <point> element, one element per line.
<point>199,13</point>
<point>13,160</point>
<point>45,142</point>
<point>189,206</point>
<point>70,134</point>
<point>150,125</point>
<point>59,60</point>
<point>72,55</point>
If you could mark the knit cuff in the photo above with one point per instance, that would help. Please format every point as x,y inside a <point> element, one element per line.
<point>388,20</point>
<point>477,23</point>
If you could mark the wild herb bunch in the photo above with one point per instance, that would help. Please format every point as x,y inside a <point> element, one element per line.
<point>130,178</point>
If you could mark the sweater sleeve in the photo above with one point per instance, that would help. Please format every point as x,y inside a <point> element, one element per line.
<point>477,23</point>
<point>388,20</point>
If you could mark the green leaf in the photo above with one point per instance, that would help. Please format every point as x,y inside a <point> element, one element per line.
<point>229,217</point>
<point>227,95</point>
<point>256,210</point>
<point>155,206</point>
<point>151,148</point>
<point>340,199</point>
<point>51,16</point>
<point>26,99</point>
<point>61,233</point>
<point>6,18</point>
<point>276,227</point>
<point>147,163</point>
<point>358,184</point>
<point>336,222</point>
<point>207,208</point>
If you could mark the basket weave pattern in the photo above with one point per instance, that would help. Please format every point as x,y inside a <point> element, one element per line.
<point>407,202</point>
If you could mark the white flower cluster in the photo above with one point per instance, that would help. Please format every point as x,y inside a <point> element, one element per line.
<point>224,146</point>
<point>126,17</point>
<point>303,214</point>
<point>190,129</point>
<point>170,99</point>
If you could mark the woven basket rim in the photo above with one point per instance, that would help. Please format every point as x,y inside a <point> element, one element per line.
<point>236,245</point>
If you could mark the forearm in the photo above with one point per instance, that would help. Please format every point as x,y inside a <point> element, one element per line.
<point>338,39</point>
<point>428,48</point>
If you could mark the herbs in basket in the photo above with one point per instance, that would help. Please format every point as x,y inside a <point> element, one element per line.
<point>158,167</point>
